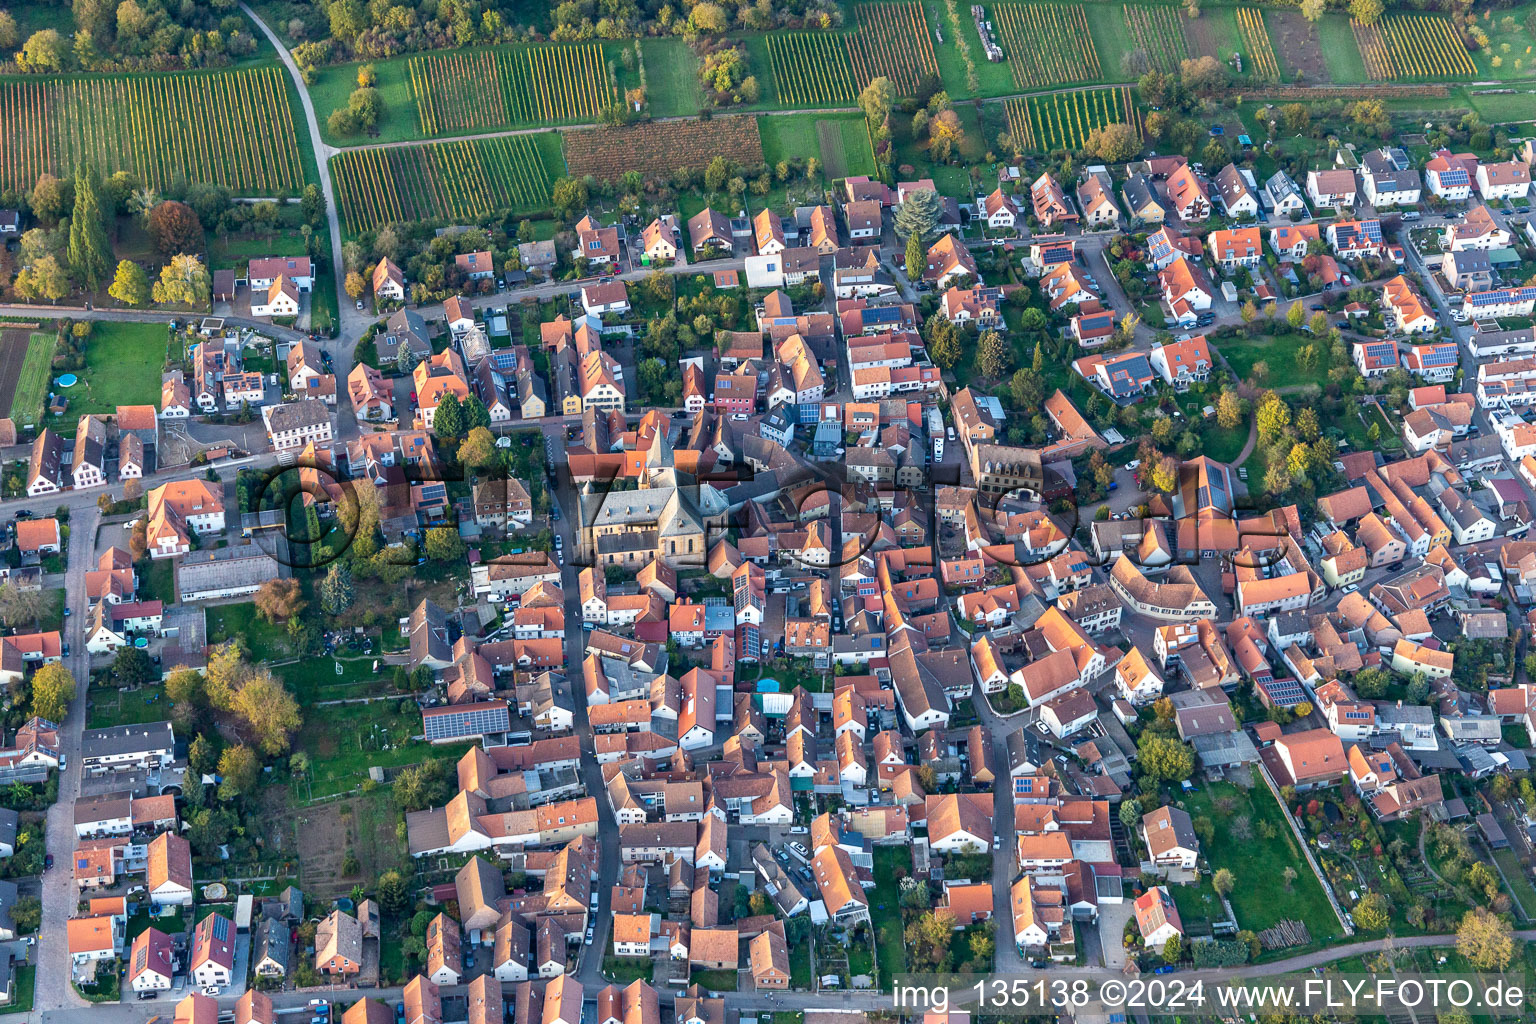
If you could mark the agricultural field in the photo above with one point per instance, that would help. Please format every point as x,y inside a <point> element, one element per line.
<point>1412,46</point>
<point>230,128</point>
<point>811,69</point>
<point>1059,121</point>
<point>1159,33</point>
<point>661,148</point>
<point>1261,64</point>
<point>458,181</point>
<point>1047,44</point>
<point>26,364</point>
<point>893,40</point>
<point>470,90</point>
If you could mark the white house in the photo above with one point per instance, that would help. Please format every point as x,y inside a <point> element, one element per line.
<point>1508,180</point>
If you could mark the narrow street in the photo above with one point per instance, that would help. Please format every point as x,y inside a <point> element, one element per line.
<point>59,895</point>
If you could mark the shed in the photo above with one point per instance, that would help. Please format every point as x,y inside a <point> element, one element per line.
<point>245,906</point>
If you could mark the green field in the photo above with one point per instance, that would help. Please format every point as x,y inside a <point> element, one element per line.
<point>1278,352</point>
<point>671,78</point>
<point>446,181</point>
<point>345,740</point>
<point>122,367</point>
<point>839,141</point>
<point>233,128</point>
<point>32,382</point>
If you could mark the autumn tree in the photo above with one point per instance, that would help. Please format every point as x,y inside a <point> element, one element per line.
<point>1372,913</point>
<point>1223,882</point>
<point>945,135</point>
<point>1366,12</point>
<point>355,285</point>
<point>174,228</point>
<point>1164,475</point>
<point>225,674</point>
<point>877,99</point>
<point>1113,143</point>
<point>1313,10</point>
<point>130,285</point>
<point>478,448</point>
<point>1165,759</point>
<point>53,687</point>
<point>183,281</point>
<point>239,770</point>
<point>279,600</point>
<point>443,544</point>
<point>269,711</point>
<point>185,686</point>
<point>1229,410</point>
<point>44,278</point>
<point>1485,939</point>
<point>19,607</point>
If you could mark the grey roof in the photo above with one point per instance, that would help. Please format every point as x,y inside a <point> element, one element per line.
<point>272,943</point>
<point>120,740</point>
<point>429,635</point>
<point>307,412</point>
<point>10,822</point>
<point>236,567</point>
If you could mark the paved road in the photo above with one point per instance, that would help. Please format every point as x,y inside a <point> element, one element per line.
<point>59,896</point>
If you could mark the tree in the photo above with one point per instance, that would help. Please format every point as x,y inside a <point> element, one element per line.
<point>89,251</point>
<point>916,257</point>
<point>569,195</point>
<point>478,449</point>
<point>238,769</point>
<point>394,895</point>
<point>225,674</point>
<point>269,711</point>
<point>1027,389</point>
<point>1485,939</point>
<point>355,285</point>
<point>1113,143</point>
<point>1372,913</point>
<point>1165,759</point>
<point>1312,10</point>
<point>448,420</point>
<point>53,687</point>
<point>44,51</point>
<point>1203,76</point>
<point>475,413</point>
<point>1273,417</point>
<point>1130,813</point>
<point>1173,949</point>
<point>44,279</point>
<point>1289,874</point>
<point>1366,12</point>
<point>185,686</point>
<point>19,607</point>
<point>992,354</point>
<point>918,217</point>
<point>174,228</point>
<point>945,135</point>
<point>336,593</point>
<point>50,198</point>
<point>423,785</point>
<point>279,600</point>
<point>130,285</point>
<point>1229,410</point>
<point>1164,475</point>
<point>27,914</point>
<point>132,667</point>
<point>443,544</point>
<point>877,99</point>
<point>183,282</point>
<point>8,34</point>
<point>1223,881</point>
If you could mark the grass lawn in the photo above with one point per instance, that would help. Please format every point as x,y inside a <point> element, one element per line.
<point>1341,55</point>
<point>109,707</point>
<point>1261,897</point>
<point>716,981</point>
<point>1519,880</point>
<point>25,981</point>
<point>885,911</point>
<point>334,83</point>
<point>624,969</point>
<point>790,136</point>
<point>122,367</point>
<point>344,741</point>
<point>32,383</point>
<point>176,922</point>
<point>316,679</point>
<point>266,641</point>
<point>1278,352</point>
<point>157,580</point>
<point>671,78</point>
